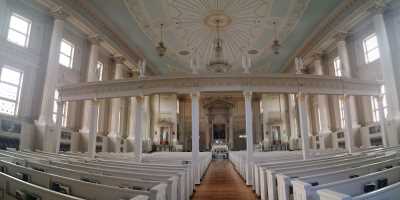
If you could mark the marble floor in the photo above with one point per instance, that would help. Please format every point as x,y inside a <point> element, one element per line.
<point>221,182</point>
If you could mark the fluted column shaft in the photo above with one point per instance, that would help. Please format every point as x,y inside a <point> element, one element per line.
<point>51,78</point>
<point>249,135</point>
<point>116,102</point>
<point>195,136</point>
<point>304,127</point>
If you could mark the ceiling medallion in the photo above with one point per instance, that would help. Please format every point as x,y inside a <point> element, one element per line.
<point>217,19</point>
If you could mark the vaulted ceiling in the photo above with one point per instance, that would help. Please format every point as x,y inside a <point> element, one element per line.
<point>246,28</point>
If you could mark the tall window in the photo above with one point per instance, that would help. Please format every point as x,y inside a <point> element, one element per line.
<point>341,110</point>
<point>375,106</point>
<point>338,67</point>
<point>64,111</point>
<point>19,30</point>
<point>99,70</point>
<point>10,90</point>
<point>319,119</point>
<point>66,53</point>
<point>371,48</point>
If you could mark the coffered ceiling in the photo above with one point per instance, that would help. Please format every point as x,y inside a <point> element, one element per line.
<point>246,29</point>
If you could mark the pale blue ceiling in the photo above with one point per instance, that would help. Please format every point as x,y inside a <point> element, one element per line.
<point>118,14</point>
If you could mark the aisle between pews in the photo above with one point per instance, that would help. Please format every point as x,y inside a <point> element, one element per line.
<point>221,182</point>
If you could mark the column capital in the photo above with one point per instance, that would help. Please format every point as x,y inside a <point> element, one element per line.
<point>95,39</point>
<point>378,7</point>
<point>59,13</point>
<point>119,59</point>
<point>341,36</point>
<point>318,55</point>
<point>139,99</point>
<point>247,94</point>
<point>195,94</point>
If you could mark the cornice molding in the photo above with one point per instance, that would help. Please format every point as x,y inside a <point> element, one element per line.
<point>268,83</point>
<point>342,19</point>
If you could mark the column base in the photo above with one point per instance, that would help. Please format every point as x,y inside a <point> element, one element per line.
<point>45,137</point>
<point>115,144</point>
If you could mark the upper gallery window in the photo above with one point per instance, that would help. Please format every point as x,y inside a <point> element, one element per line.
<point>66,53</point>
<point>375,106</point>
<point>10,90</point>
<point>341,113</point>
<point>338,67</point>
<point>19,30</point>
<point>371,48</point>
<point>64,114</point>
<point>99,70</point>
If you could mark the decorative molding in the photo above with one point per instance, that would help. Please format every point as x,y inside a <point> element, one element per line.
<point>269,83</point>
<point>190,25</point>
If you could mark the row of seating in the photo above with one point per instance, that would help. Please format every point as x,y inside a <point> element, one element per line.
<point>368,174</point>
<point>77,176</point>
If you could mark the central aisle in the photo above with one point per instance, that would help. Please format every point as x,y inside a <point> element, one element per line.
<point>223,183</point>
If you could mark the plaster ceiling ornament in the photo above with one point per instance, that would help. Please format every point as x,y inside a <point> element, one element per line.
<point>246,27</point>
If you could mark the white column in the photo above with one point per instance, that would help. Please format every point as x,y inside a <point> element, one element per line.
<point>195,136</point>
<point>51,78</point>
<point>322,100</point>
<point>90,76</point>
<point>116,102</point>
<point>249,135</point>
<point>60,106</point>
<point>138,130</point>
<point>93,129</point>
<point>387,64</point>
<point>348,126</point>
<point>292,116</point>
<point>382,120</point>
<point>304,128</point>
<point>346,68</point>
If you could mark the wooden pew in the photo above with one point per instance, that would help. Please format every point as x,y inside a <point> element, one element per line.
<point>137,182</point>
<point>314,168</point>
<point>79,188</point>
<point>11,187</point>
<point>351,187</point>
<point>332,174</point>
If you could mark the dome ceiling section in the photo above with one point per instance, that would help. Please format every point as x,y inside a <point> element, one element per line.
<point>246,27</point>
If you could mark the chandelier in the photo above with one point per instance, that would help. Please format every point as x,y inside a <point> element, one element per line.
<point>276,46</point>
<point>218,64</point>
<point>161,49</point>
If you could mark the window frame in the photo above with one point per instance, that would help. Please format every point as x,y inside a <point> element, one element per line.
<point>64,117</point>
<point>71,56</point>
<point>17,100</point>
<point>375,106</point>
<point>99,70</point>
<point>367,50</point>
<point>26,35</point>
<point>337,66</point>
<point>342,118</point>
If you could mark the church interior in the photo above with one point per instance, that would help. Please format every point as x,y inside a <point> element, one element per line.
<point>199,99</point>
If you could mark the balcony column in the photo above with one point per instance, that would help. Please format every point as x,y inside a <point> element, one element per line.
<point>304,126</point>
<point>90,77</point>
<point>195,136</point>
<point>57,139</point>
<point>115,111</point>
<point>386,62</point>
<point>138,130</point>
<point>382,120</point>
<point>249,135</point>
<point>348,132</point>
<point>322,101</point>
<point>93,129</point>
<point>51,78</point>
<point>292,119</point>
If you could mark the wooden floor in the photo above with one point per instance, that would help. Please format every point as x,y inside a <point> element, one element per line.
<point>223,183</point>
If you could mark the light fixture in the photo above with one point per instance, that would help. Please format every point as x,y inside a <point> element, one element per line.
<point>161,49</point>
<point>218,64</point>
<point>275,44</point>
